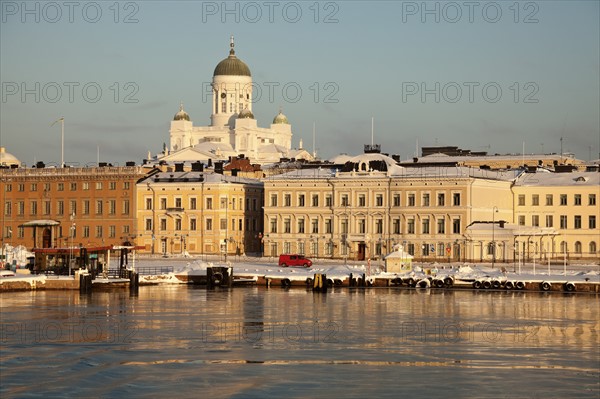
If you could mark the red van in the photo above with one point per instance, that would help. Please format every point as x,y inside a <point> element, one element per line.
<point>286,260</point>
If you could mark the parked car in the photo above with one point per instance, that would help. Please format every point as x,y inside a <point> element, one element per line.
<point>286,260</point>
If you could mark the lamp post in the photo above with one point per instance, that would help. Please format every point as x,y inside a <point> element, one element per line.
<point>71,234</point>
<point>494,211</point>
<point>153,214</point>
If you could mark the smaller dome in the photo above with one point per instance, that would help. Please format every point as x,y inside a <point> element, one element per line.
<point>280,119</point>
<point>246,113</point>
<point>8,159</point>
<point>181,115</point>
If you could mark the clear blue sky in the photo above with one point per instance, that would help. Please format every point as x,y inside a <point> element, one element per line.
<point>352,60</point>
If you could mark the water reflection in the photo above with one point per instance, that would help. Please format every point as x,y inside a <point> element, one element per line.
<point>267,343</point>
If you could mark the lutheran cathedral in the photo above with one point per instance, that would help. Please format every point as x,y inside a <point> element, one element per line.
<point>233,130</point>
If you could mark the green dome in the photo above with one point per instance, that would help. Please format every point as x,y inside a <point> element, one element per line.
<point>232,66</point>
<point>280,119</point>
<point>181,115</point>
<point>246,113</point>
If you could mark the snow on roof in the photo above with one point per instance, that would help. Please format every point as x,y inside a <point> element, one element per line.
<point>193,176</point>
<point>559,179</point>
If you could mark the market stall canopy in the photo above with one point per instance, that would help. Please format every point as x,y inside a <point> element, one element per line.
<point>40,223</point>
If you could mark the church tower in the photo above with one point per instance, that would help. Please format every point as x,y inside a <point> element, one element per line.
<point>232,90</point>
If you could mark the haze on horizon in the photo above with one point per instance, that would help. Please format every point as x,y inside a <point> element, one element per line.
<point>487,76</point>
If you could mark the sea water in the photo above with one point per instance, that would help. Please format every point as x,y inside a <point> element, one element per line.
<point>187,341</point>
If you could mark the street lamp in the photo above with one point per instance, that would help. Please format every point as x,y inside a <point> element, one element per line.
<point>153,215</point>
<point>494,211</point>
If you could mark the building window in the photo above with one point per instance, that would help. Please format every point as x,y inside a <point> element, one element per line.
<point>379,226</point>
<point>72,207</point>
<point>456,199</point>
<point>163,224</point>
<point>178,224</point>
<point>287,247</point>
<point>328,200</point>
<point>328,226</point>
<point>577,221</point>
<point>33,208</point>
<point>98,231</point>
<point>535,220</point>
<point>315,226</point>
<point>549,221</point>
<point>73,186</point>
<point>60,187</point>
<point>456,226</point>
<point>592,199</point>
<point>112,185</point>
<point>301,225</point>
<point>593,247</point>
<point>396,226</point>
<point>577,199</point>
<point>287,226</point>
<point>86,231</point>
<point>33,187</point>
<point>8,209</point>
<point>563,199</point>
<point>98,207</point>
<point>60,208</point>
<point>193,203</point>
<point>379,200</point>
<point>21,207</point>
<point>163,203</point>
<point>99,185</point>
<point>578,247</point>
<point>361,226</point>
<point>425,249</point>
<point>209,203</point>
<point>521,200</point>
<point>315,200</point>
<point>112,231</point>
<point>148,224</point>
<point>441,226</point>
<point>287,200</point>
<point>344,200</point>
<point>301,200</point>
<point>425,226</point>
<point>440,249</point>
<point>549,199</point>
<point>223,224</point>
<point>563,221</point>
<point>112,207</point>
<point>410,226</point>
<point>441,199</point>
<point>148,204</point>
<point>362,200</point>
<point>86,207</point>
<point>125,185</point>
<point>592,222</point>
<point>344,226</point>
<point>396,199</point>
<point>209,224</point>
<point>273,199</point>
<point>521,220</point>
<point>411,200</point>
<point>86,185</point>
<point>535,200</point>
<point>178,202</point>
<point>425,200</point>
<point>411,249</point>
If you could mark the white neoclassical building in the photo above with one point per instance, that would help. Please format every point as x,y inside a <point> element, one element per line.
<point>233,129</point>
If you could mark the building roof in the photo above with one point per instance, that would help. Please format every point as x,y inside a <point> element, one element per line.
<point>232,66</point>
<point>196,177</point>
<point>545,179</point>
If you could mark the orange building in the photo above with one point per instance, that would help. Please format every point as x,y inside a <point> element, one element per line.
<point>65,207</point>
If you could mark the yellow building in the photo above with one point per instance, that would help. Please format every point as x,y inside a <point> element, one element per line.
<point>199,212</point>
<point>371,203</point>
<point>563,205</point>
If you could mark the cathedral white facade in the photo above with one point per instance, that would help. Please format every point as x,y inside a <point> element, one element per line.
<point>233,130</point>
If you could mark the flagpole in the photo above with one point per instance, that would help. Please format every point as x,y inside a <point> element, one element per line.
<point>62,142</point>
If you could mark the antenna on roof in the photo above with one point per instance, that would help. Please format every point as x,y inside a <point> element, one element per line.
<point>314,139</point>
<point>372,122</point>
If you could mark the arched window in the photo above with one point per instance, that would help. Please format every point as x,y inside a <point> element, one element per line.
<point>578,247</point>
<point>563,247</point>
<point>593,247</point>
<point>490,248</point>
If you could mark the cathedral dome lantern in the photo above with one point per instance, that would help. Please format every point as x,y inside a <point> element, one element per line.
<point>181,115</point>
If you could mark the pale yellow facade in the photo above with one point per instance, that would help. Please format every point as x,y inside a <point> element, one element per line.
<point>360,215</point>
<point>183,213</point>
<point>564,205</point>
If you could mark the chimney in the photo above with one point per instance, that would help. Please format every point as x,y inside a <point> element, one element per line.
<point>179,167</point>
